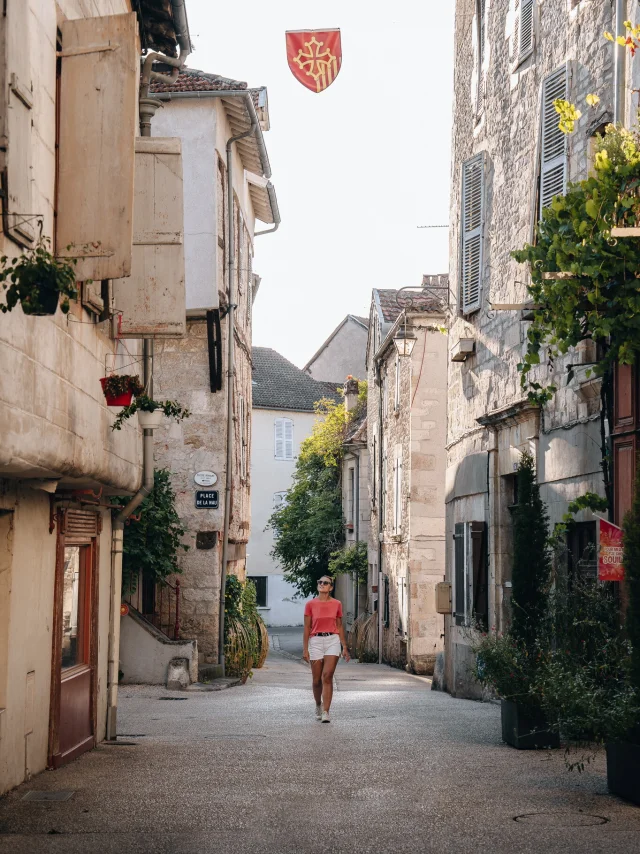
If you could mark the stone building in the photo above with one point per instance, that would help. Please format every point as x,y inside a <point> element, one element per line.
<point>343,353</point>
<point>283,416</point>
<point>205,111</point>
<point>406,427</point>
<point>69,167</point>
<point>509,160</point>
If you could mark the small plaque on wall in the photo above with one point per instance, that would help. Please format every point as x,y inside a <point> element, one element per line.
<point>207,499</point>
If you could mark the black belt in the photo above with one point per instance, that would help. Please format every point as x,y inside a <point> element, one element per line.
<point>323,634</point>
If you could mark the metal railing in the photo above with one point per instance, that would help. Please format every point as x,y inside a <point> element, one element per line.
<point>158,603</point>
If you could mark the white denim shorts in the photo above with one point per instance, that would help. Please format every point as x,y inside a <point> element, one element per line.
<point>320,646</point>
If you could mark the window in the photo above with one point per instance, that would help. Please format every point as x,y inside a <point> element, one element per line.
<point>582,561</point>
<point>403,606</point>
<point>553,143</point>
<point>397,491</point>
<point>383,484</point>
<point>397,389</point>
<point>283,449</point>
<point>374,467</point>
<point>351,496</point>
<point>523,30</point>
<point>385,601</point>
<point>385,395</point>
<point>260,582</point>
<point>472,233</point>
<point>279,500</point>
<point>471,588</point>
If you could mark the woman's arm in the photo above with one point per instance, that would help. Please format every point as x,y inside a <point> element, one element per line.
<point>343,639</point>
<point>305,637</point>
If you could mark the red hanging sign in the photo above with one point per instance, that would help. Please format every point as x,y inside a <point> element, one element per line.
<point>314,57</point>
<point>610,566</point>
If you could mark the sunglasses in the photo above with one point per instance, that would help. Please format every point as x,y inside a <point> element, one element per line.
<point>324,584</point>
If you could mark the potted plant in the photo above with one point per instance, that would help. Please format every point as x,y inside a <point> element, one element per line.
<point>508,664</point>
<point>150,412</point>
<point>623,750</point>
<point>120,389</point>
<point>37,280</point>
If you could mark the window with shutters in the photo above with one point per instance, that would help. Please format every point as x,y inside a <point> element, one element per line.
<point>16,113</point>
<point>383,484</point>
<point>397,491</point>
<point>472,233</point>
<point>279,500</point>
<point>403,606</point>
<point>471,587</point>
<point>523,30</point>
<point>553,142</point>
<point>351,492</point>
<point>283,430</point>
<point>374,467</point>
<point>480,53</point>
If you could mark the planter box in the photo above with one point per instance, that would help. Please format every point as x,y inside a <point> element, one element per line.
<point>525,731</point>
<point>120,400</point>
<point>623,770</point>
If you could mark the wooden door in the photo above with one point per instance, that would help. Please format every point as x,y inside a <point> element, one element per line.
<point>73,701</point>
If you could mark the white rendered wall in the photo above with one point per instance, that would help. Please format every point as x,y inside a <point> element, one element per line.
<point>269,476</point>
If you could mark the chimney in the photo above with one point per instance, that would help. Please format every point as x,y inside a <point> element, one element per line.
<point>350,393</point>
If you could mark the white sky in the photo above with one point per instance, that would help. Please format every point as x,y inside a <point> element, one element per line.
<point>356,168</point>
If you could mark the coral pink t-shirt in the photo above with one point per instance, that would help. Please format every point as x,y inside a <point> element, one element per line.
<point>324,615</point>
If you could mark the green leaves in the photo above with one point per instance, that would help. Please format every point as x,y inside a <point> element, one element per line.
<point>171,408</point>
<point>350,559</point>
<point>33,276</point>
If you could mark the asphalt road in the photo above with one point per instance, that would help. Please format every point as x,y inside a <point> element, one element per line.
<point>400,769</point>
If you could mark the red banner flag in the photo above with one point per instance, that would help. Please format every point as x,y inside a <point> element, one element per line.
<point>610,566</point>
<point>314,57</point>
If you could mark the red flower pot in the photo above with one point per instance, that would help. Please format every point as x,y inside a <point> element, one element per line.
<point>121,400</point>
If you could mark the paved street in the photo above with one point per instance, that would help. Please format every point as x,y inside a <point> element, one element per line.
<point>401,768</point>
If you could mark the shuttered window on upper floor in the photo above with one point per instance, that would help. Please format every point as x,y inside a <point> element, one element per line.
<point>98,115</point>
<point>16,113</point>
<point>480,52</point>
<point>472,233</point>
<point>553,142</point>
<point>523,30</point>
<point>283,439</point>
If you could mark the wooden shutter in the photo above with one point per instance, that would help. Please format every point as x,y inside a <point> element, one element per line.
<point>279,439</point>
<point>152,300</point>
<point>472,229</point>
<point>553,156</point>
<point>480,572</point>
<point>98,116</point>
<point>288,439</point>
<point>459,581</point>
<point>15,123</point>
<point>523,30</point>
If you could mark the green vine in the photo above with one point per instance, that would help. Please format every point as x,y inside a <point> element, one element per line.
<point>171,409</point>
<point>350,559</point>
<point>597,296</point>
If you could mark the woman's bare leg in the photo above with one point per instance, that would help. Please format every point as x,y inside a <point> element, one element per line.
<point>316,675</point>
<point>328,669</point>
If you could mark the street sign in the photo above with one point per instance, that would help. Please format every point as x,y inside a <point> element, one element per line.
<point>205,478</point>
<point>207,499</point>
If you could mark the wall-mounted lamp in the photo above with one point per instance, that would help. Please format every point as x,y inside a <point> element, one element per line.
<point>405,340</point>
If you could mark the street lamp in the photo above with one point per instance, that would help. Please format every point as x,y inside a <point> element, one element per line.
<point>405,340</point>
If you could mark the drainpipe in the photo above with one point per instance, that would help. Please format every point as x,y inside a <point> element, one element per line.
<point>117,536</point>
<point>356,511</point>
<point>231,265</point>
<point>619,65</point>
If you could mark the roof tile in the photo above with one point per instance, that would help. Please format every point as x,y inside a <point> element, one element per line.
<point>192,80</point>
<point>279,384</point>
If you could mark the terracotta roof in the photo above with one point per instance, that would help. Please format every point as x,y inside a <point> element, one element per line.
<point>279,384</point>
<point>192,80</point>
<point>428,300</point>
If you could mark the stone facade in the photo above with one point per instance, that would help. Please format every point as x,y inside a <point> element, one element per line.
<point>342,354</point>
<point>498,113</point>
<point>406,421</point>
<point>182,366</point>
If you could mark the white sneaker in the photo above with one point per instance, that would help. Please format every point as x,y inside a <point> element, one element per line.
<point>325,718</point>
<point>318,711</point>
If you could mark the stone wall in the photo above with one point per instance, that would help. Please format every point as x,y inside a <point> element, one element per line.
<point>504,123</point>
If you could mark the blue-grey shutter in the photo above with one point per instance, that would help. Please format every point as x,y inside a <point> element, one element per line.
<point>472,232</point>
<point>523,30</point>
<point>553,149</point>
<point>459,580</point>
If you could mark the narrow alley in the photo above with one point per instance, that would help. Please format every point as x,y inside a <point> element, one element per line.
<point>249,770</point>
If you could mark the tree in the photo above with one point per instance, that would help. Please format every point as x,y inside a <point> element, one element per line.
<point>153,539</point>
<point>309,527</point>
<point>531,556</point>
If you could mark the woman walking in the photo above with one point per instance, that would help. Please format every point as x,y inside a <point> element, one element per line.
<point>323,635</point>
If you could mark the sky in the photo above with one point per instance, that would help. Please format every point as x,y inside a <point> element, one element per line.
<point>357,168</point>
